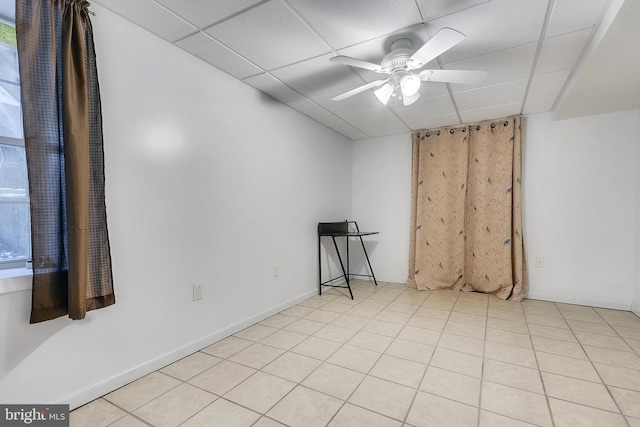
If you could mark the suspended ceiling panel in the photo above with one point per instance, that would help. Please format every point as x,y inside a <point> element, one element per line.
<point>152,16</point>
<point>540,55</point>
<point>610,80</point>
<point>203,13</point>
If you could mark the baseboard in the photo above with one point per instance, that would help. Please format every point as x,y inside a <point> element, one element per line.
<point>635,308</point>
<point>95,391</point>
<point>394,280</point>
<point>615,305</point>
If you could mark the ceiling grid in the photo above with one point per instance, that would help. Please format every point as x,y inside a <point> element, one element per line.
<point>531,49</point>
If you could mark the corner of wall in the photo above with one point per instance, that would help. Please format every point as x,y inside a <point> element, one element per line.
<point>635,306</point>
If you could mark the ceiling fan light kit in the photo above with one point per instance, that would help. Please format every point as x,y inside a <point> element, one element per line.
<point>401,65</point>
<point>410,84</point>
<point>384,93</point>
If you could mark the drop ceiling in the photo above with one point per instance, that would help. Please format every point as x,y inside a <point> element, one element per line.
<point>535,52</point>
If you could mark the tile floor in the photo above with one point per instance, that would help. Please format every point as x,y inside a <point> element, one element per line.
<point>398,357</point>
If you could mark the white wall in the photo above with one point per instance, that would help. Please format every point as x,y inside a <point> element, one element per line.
<point>382,202</point>
<point>579,206</point>
<point>207,181</point>
<point>636,295</point>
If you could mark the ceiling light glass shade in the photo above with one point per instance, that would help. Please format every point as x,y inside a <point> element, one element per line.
<point>384,93</point>
<point>410,84</point>
<point>408,100</point>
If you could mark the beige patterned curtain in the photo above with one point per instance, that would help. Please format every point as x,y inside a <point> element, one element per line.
<point>466,209</point>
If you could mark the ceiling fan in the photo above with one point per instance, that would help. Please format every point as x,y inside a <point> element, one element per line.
<point>402,65</point>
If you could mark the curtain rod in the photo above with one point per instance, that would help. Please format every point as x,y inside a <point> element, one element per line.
<point>463,128</point>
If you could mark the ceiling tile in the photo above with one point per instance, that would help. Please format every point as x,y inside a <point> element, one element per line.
<point>209,50</point>
<point>539,105</point>
<point>309,108</point>
<point>433,122</point>
<point>494,112</point>
<point>318,75</point>
<point>561,53</point>
<point>426,107</point>
<point>344,23</point>
<point>360,102</point>
<point>269,35</point>
<point>548,84</point>
<point>342,127</point>
<point>435,8</point>
<point>375,49</point>
<point>433,89</point>
<point>203,13</point>
<point>610,80</point>
<point>493,95</point>
<point>572,15</point>
<point>492,26</point>
<point>383,130</point>
<point>152,17</point>
<point>355,135</point>
<point>273,87</point>
<point>502,67</point>
<point>376,119</point>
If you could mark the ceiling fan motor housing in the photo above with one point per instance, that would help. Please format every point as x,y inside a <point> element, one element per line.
<point>398,57</point>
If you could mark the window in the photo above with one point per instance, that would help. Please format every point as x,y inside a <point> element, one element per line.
<point>15,239</point>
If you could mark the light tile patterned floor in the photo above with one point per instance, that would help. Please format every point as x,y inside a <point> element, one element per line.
<point>398,357</point>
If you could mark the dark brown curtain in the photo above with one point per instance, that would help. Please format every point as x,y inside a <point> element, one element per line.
<point>65,160</point>
<point>466,209</point>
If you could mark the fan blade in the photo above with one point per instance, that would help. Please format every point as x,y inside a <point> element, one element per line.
<point>453,76</point>
<point>353,62</point>
<point>408,100</point>
<point>359,89</point>
<point>444,40</point>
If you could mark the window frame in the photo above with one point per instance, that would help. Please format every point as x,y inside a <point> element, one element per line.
<point>25,261</point>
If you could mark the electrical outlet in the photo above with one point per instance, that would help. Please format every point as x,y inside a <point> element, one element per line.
<point>539,262</point>
<point>197,292</point>
<point>276,270</point>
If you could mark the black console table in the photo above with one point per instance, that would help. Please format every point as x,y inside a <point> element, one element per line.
<point>342,229</point>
